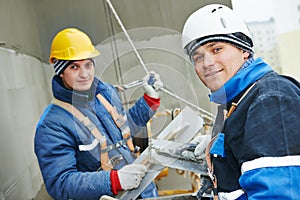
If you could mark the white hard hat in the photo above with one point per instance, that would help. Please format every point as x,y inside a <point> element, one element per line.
<point>215,22</point>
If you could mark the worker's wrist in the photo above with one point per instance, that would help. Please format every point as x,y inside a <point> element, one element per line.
<point>115,182</point>
<point>153,103</point>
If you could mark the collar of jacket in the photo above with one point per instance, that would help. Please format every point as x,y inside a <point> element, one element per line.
<point>248,74</point>
<point>70,96</point>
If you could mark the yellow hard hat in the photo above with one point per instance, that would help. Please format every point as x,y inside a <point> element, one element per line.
<point>72,44</point>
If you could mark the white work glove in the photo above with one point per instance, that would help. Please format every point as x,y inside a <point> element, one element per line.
<point>106,197</point>
<point>197,147</point>
<point>131,175</point>
<point>152,84</point>
<point>202,142</point>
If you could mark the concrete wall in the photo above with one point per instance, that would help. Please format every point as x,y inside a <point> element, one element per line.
<point>160,50</point>
<point>19,30</point>
<point>24,94</point>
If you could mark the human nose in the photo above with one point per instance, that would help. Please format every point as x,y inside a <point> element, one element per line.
<point>83,71</point>
<point>207,60</point>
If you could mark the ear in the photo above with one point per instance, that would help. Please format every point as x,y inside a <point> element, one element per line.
<point>246,54</point>
<point>61,75</point>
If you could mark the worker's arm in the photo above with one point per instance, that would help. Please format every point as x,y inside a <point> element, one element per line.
<point>144,109</point>
<point>56,145</point>
<point>127,178</point>
<point>270,154</point>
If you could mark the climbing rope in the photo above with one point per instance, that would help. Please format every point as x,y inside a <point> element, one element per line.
<point>127,36</point>
<point>205,114</point>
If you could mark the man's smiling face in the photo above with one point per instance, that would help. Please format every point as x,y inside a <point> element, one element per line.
<point>79,75</point>
<point>217,62</point>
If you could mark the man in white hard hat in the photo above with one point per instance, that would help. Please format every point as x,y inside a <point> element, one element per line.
<point>83,140</point>
<point>254,153</point>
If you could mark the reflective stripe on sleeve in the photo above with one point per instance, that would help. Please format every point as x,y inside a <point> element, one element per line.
<point>230,195</point>
<point>89,147</point>
<point>264,162</point>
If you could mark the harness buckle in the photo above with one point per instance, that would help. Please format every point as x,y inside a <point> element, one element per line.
<point>116,160</point>
<point>211,175</point>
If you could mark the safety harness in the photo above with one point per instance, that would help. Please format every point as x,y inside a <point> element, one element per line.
<point>119,120</point>
<point>210,168</point>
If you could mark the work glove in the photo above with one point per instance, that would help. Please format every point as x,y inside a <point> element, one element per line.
<point>195,150</point>
<point>131,175</point>
<point>202,142</point>
<point>152,84</point>
<point>106,197</point>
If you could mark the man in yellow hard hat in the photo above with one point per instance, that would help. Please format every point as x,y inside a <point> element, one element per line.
<point>83,140</point>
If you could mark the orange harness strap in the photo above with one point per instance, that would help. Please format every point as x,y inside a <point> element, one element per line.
<point>210,168</point>
<point>119,120</point>
<point>104,158</point>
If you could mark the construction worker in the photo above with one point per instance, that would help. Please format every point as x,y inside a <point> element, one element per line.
<point>83,139</point>
<point>254,152</point>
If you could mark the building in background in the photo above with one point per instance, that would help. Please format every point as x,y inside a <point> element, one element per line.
<point>288,26</point>
<point>266,42</point>
<point>275,26</point>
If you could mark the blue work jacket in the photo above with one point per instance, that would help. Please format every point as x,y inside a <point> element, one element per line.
<point>261,148</point>
<point>68,154</point>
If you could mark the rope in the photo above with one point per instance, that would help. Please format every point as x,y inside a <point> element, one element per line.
<point>127,36</point>
<point>114,47</point>
<point>207,114</point>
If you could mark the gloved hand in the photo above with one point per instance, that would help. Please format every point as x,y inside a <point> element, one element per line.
<point>131,175</point>
<point>152,84</point>
<point>195,150</point>
<point>106,197</point>
<point>201,141</point>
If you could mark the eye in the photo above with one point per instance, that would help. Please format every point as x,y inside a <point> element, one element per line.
<point>73,67</point>
<point>89,65</point>
<point>197,58</point>
<point>217,49</point>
